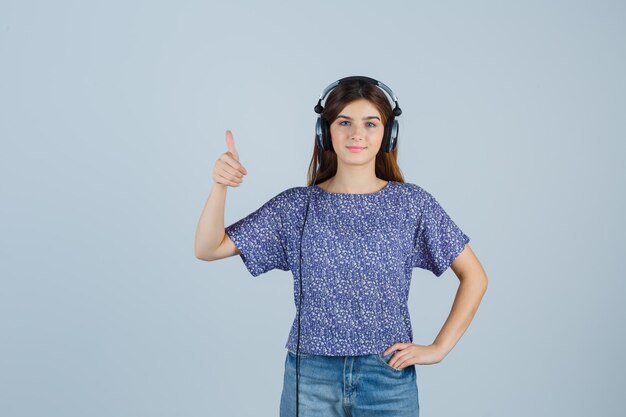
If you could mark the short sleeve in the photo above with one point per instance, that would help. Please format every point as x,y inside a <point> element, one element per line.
<point>438,239</point>
<point>258,238</point>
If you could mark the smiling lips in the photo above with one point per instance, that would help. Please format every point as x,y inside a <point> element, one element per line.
<point>355,149</point>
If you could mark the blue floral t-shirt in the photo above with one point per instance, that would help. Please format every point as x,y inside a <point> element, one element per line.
<point>358,252</point>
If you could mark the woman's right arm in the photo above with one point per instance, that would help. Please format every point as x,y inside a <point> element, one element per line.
<point>212,242</point>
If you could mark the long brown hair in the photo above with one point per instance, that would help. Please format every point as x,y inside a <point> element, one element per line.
<point>346,92</point>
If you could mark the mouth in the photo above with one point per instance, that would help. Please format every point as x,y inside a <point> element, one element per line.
<point>355,148</point>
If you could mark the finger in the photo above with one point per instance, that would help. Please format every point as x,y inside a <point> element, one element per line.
<point>226,181</point>
<point>396,360</point>
<point>233,172</point>
<point>231,161</point>
<point>230,142</point>
<point>403,362</point>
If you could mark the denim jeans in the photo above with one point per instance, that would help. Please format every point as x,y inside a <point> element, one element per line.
<point>349,386</point>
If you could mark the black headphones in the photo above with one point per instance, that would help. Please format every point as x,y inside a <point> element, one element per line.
<point>323,141</point>
<point>322,130</point>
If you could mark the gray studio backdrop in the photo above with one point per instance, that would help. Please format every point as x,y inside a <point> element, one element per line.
<point>112,115</point>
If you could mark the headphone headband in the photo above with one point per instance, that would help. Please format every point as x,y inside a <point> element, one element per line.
<point>397,111</point>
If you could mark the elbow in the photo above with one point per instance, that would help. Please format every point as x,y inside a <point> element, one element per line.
<point>484,284</point>
<point>481,280</point>
<point>484,281</point>
<point>203,255</point>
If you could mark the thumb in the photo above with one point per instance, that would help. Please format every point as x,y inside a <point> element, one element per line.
<point>230,142</point>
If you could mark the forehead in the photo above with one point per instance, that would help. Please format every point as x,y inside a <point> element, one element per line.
<point>361,106</point>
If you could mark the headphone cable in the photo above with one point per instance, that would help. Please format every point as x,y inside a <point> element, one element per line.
<point>300,300</point>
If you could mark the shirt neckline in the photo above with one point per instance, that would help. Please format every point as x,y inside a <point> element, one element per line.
<point>375,193</point>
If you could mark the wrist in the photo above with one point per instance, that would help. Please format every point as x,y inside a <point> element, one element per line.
<point>441,349</point>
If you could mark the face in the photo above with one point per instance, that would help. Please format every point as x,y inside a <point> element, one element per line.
<point>357,132</point>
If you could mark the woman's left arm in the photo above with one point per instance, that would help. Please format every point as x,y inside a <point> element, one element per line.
<point>472,287</point>
<point>471,290</point>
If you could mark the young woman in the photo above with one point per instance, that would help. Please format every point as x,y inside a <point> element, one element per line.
<point>351,239</point>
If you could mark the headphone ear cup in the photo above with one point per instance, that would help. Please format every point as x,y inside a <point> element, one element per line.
<point>319,134</point>
<point>328,143</point>
<point>390,135</point>
<point>322,134</point>
<point>393,135</point>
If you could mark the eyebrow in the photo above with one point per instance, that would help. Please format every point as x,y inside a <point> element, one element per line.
<point>365,118</point>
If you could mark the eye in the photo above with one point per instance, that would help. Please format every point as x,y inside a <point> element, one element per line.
<point>373,124</point>
<point>344,121</point>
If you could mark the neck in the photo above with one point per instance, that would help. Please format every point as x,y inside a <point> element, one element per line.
<point>355,180</point>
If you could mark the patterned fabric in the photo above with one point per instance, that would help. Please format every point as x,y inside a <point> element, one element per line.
<point>358,252</point>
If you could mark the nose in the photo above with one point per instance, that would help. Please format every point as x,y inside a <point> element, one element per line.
<point>357,133</point>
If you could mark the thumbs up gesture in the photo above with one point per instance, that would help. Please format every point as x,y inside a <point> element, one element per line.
<point>228,171</point>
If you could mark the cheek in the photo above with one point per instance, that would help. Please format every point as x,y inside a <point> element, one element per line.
<point>334,132</point>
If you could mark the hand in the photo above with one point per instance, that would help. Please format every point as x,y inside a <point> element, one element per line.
<point>228,171</point>
<point>412,354</point>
